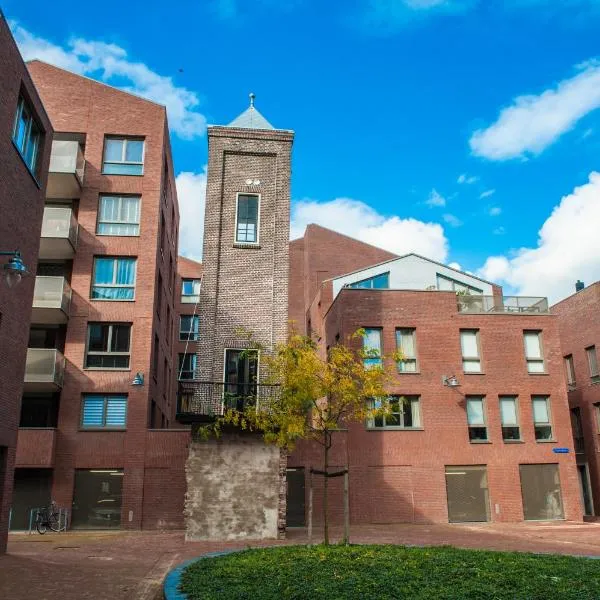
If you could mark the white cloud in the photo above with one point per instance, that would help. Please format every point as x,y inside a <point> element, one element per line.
<point>495,211</point>
<point>109,63</point>
<point>532,123</point>
<point>358,220</point>
<point>486,194</point>
<point>568,248</point>
<point>468,179</point>
<point>455,265</point>
<point>452,220</point>
<point>435,199</point>
<point>191,193</point>
<point>499,230</point>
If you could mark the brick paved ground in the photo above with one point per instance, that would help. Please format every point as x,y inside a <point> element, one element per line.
<point>119,566</point>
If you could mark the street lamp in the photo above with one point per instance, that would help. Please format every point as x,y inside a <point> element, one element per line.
<point>14,269</point>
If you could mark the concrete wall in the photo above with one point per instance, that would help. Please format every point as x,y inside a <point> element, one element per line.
<point>233,489</point>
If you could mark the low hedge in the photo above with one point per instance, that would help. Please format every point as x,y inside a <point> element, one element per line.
<point>390,572</point>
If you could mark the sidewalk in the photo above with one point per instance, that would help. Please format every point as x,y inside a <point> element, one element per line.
<point>132,566</point>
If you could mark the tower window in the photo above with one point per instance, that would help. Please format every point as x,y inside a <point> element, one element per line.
<point>246,223</point>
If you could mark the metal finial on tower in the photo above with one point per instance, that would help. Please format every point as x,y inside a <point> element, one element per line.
<point>252,97</point>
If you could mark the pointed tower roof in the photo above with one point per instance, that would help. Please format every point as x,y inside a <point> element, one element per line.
<point>251,118</point>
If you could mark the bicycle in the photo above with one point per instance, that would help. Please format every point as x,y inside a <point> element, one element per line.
<point>48,518</point>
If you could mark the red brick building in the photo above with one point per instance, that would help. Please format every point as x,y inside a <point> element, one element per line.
<point>479,422</point>
<point>25,140</point>
<point>98,401</point>
<point>580,338</point>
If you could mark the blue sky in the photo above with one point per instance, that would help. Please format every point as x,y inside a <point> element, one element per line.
<point>467,130</point>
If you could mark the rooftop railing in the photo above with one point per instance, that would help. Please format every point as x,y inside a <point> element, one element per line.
<point>471,303</point>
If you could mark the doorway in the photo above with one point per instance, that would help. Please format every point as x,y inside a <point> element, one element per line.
<point>468,498</point>
<point>295,508</point>
<point>585,489</point>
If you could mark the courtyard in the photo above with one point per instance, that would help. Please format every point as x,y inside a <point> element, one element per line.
<point>132,565</point>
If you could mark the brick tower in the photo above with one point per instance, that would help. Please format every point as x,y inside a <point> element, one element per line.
<point>236,484</point>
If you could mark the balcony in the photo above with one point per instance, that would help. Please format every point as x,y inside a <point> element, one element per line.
<point>44,370</point>
<point>35,448</point>
<point>59,233</point>
<point>475,304</point>
<point>67,166</point>
<point>51,301</point>
<point>203,401</point>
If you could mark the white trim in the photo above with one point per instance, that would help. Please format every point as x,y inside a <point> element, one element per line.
<point>235,240</point>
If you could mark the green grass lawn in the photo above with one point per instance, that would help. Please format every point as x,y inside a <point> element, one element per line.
<point>383,572</point>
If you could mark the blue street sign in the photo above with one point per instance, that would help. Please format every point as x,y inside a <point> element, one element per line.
<point>560,450</point>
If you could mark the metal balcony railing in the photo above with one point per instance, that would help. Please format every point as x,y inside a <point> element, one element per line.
<point>205,400</point>
<point>476,304</point>
<point>44,366</point>
<point>67,157</point>
<point>60,222</point>
<point>52,292</point>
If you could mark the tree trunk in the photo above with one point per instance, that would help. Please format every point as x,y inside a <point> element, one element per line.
<point>325,483</point>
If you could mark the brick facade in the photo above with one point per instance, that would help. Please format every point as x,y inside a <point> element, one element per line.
<point>580,329</point>
<point>21,205</point>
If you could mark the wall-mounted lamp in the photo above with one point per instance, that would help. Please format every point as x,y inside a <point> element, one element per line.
<point>14,269</point>
<point>450,381</point>
<point>252,181</point>
<point>138,379</point>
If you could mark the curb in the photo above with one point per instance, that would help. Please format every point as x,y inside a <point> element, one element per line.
<point>173,578</point>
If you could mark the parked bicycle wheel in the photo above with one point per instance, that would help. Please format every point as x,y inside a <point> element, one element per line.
<point>54,521</point>
<point>40,524</point>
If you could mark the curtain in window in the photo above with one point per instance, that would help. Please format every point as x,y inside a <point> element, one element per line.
<point>125,275</point>
<point>415,407</point>
<point>103,273</point>
<point>468,343</point>
<point>119,215</point>
<point>540,410</point>
<point>475,412</point>
<point>508,411</point>
<point>532,345</point>
<point>93,411</point>
<point>116,412</point>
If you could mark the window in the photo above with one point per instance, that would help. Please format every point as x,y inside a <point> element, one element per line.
<point>577,428</point>
<point>114,278</point>
<point>540,489</point>
<point>27,134</point>
<point>108,346</point>
<point>533,351</point>
<point>118,215</point>
<point>105,412</point>
<point>541,418</point>
<point>468,496</point>
<point>189,327</point>
<point>372,347</point>
<point>476,419</point>
<point>379,282</point>
<point>445,283</point>
<point>406,344</point>
<point>469,343</point>
<point>404,413</point>
<point>187,366</point>
<point>190,291</point>
<point>593,363</point>
<point>509,417</point>
<point>570,372</point>
<point>240,378</point>
<point>123,156</point>
<point>246,224</point>
<point>97,496</point>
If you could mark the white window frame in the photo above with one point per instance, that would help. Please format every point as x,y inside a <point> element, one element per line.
<point>125,139</point>
<point>114,285</point>
<point>515,399</point>
<point>570,371</point>
<point>109,341</point>
<point>471,359</point>
<point>195,297</point>
<point>470,426</point>
<point>235,230</point>
<point>410,359</point>
<point>120,197</point>
<point>415,404</point>
<point>534,360</point>
<point>469,288</point>
<point>544,423</point>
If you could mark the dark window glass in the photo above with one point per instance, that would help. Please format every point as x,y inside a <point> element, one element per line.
<point>247,219</point>
<point>97,499</point>
<point>108,345</point>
